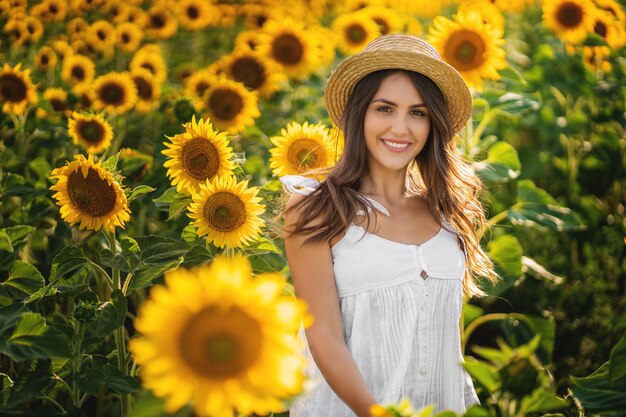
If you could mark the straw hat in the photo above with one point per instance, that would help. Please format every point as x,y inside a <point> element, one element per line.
<point>402,52</point>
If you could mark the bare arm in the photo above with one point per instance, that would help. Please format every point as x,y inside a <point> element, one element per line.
<point>314,282</point>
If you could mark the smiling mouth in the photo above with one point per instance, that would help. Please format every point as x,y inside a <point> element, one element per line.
<point>395,146</point>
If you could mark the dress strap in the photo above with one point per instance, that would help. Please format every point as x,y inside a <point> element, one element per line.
<point>298,184</point>
<point>446,225</point>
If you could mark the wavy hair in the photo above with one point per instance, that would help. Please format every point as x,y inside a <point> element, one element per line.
<point>438,173</point>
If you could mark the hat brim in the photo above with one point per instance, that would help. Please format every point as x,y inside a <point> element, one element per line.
<point>343,79</point>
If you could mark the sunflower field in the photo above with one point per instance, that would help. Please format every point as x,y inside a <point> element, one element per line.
<point>141,267</point>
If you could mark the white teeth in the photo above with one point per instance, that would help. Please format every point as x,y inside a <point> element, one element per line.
<point>396,145</point>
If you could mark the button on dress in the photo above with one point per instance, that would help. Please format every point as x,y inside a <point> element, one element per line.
<point>400,308</point>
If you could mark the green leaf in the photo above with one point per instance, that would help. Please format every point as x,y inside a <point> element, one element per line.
<point>40,167</point>
<point>148,405</point>
<point>506,251</point>
<point>536,207</point>
<point>598,394</point>
<point>264,244</point>
<point>70,271</point>
<point>163,202</point>
<point>470,313</point>
<point>189,234</point>
<point>145,277</point>
<point>484,373</point>
<point>112,314</point>
<point>111,163</point>
<point>24,279</point>
<point>178,205</point>
<point>198,255</point>
<point>510,103</point>
<point>501,165</point>
<point>33,339</point>
<point>5,242</point>
<point>476,411</point>
<point>120,383</point>
<point>31,380</point>
<point>137,191</point>
<point>542,400</point>
<point>617,369</point>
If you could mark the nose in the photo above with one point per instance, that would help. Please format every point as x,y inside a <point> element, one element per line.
<point>398,126</point>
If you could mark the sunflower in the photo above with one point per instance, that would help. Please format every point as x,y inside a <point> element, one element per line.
<point>196,14</point>
<point>117,12</point>
<point>89,195</point>
<point>35,28</point>
<point>57,98</point>
<point>610,29</point>
<point>355,30</point>
<point>386,18</point>
<point>230,344</point>
<point>17,91</point>
<point>63,49</point>
<point>45,58</point>
<point>612,7</point>
<point>286,42</point>
<point>247,40</point>
<point>136,15</point>
<point>302,148</point>
<point>490,13</point>
<point>18,33</point>
<point>84,95</point>
<point>420,9</point>
<point>54,10</point>
<point>350,6</point>
<point>198,83</point>
<point>255,15</point>
<point>90,131</point>
<point>230,106</point>
<point>572,20</point>
<point>78,69</point>
<point>161,22</point>
<point>227,212</point>
<point>152,60</point>
<point>148,90</point>
<point>325,44</point>
<point>114,92</point>
<point>595,58</point>
<point>100,36</point>
<point>197,155</point>
<point>471,47</point>
<point>77,27</point>
<point>254,71</point>
<point>128,36</point>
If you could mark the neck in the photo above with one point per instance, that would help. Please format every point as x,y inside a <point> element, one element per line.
<point>385,183</point>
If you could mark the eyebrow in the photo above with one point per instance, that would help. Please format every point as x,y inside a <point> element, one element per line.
<point>382,100</point>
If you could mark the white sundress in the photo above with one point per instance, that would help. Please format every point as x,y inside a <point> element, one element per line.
<point>400,307</point>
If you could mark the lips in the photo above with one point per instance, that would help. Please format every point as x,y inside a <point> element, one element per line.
<point>395,145</point>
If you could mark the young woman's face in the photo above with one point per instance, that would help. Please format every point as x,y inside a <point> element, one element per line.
<point>396,124</point>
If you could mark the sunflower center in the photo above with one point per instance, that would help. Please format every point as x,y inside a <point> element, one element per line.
<point>287,49</point>
<point>224,211</point>
<point>101,35</point>
<point>356,33</point>
<point>91,195</point>
<point>144,88</point>
<point>382,25</point>
<point>305,154</point>
<point>78,73</point>
<point>125,38</point>
<point>157,21</point>
<point>58,104</point>
<point>570,15</point>
<point>249,72</point>
<point>192,12</point>
<point>91,131</point>
<point>12,88</point>
<point>44,60</point>
<point>221,344</point>
<point>465,50</point>
<point>201,87</point>
<point>225,103</point>
<point>600,29</point>
<point>200,159</point>
<point>112,93</point>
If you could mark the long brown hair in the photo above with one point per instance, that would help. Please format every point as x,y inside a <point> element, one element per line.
<point>450,186</point>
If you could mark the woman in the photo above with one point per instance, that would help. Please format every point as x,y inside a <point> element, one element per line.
<point>385,248</point>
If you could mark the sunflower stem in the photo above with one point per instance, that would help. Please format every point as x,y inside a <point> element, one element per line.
<point>119,335</point>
